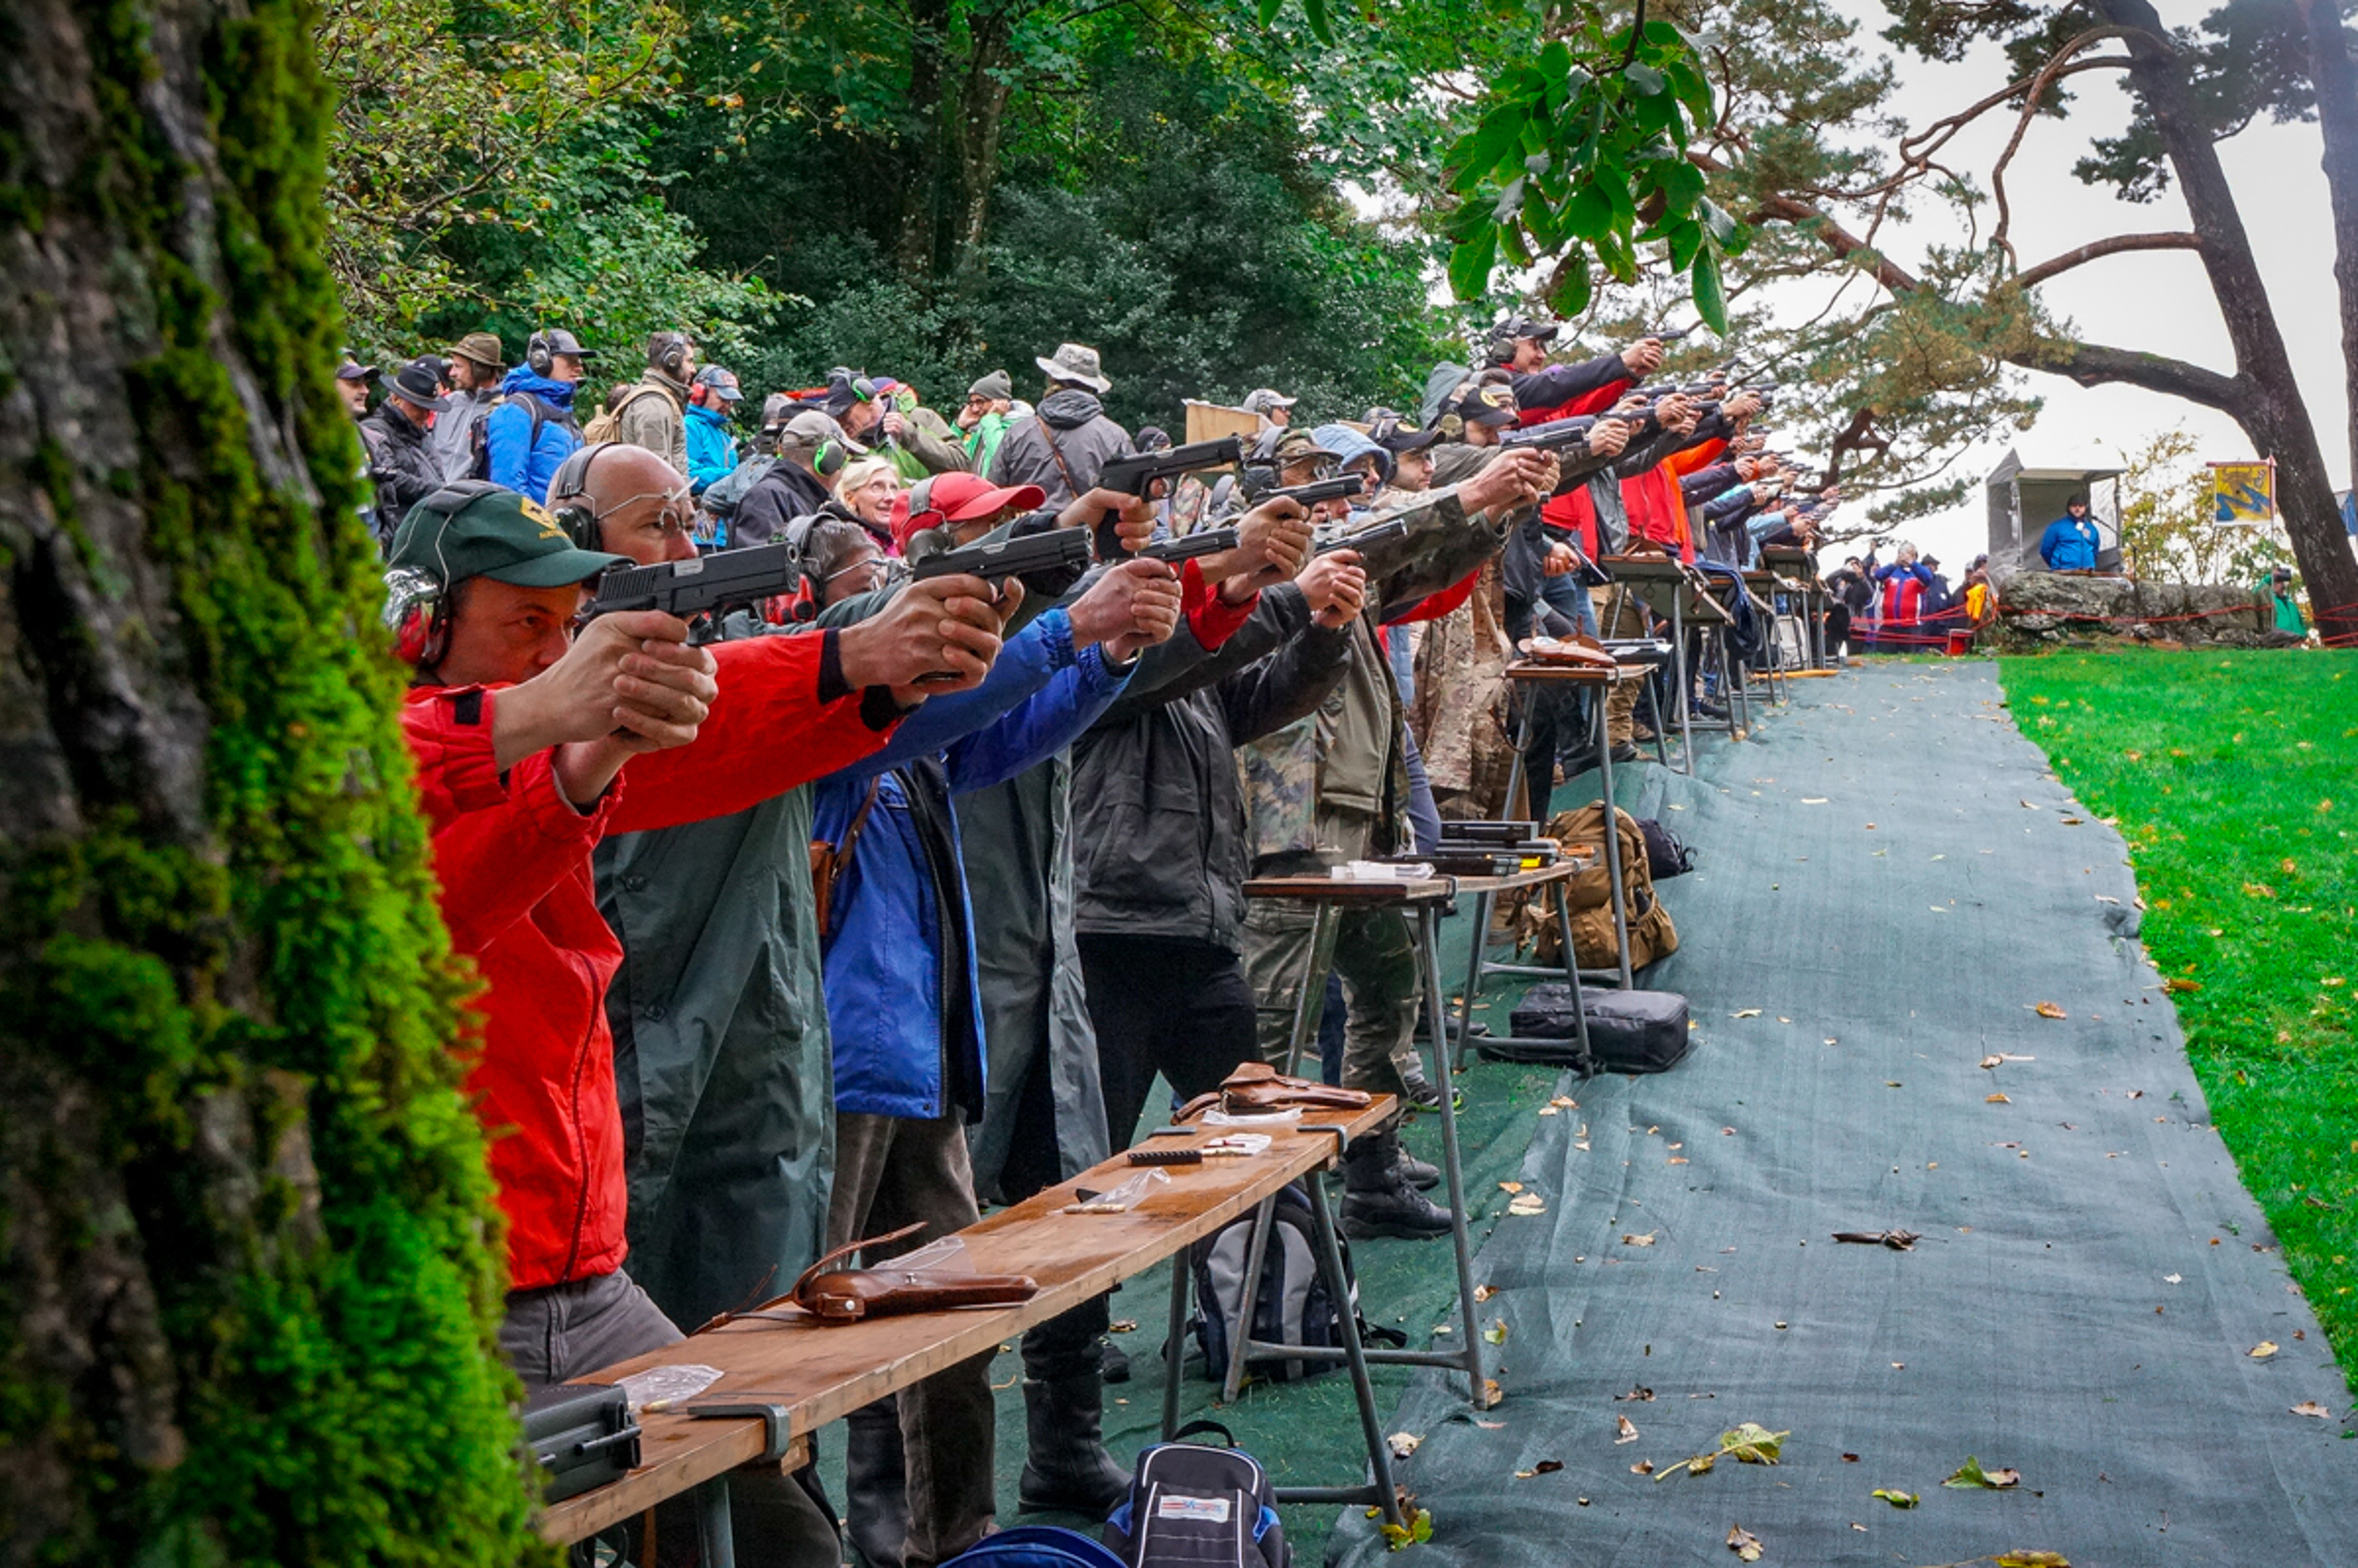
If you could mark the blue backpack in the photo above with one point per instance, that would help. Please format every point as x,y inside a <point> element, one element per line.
<point>1191,1504</point>
<point>1035,1546</point>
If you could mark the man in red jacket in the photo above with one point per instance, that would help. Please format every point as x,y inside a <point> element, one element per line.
<point>532,743</point>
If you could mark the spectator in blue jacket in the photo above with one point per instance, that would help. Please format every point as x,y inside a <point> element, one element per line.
<point>528,437</point>
<point>905,1006</point>
<point>2070,543</point>
<point>711,449</point>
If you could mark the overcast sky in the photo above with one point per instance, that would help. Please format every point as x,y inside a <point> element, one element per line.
<point>2157,301</point>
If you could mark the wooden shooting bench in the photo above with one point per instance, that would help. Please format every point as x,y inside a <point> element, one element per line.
<point>783,1379</point>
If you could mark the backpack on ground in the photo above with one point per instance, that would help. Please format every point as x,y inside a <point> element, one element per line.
<point>1191,1505</point>
<point>1651,935</point>
<point>1628,1032</point>
<point>1666,854</point>
<point>1035,1546</point>
<point>1293,1304</point>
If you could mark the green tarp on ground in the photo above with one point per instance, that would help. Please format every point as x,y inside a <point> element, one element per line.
<point>1889,883</point>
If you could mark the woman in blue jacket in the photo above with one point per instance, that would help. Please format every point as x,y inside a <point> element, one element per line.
<point>904,1012</point>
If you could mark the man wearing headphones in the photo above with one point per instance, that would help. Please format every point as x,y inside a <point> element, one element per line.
<point>811,450</point>
<point>532,745</point>
<point>533,429</point>
<point>654,414</point>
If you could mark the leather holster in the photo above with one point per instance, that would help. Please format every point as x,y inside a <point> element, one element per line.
<point>1256,1087</point>
<point>847,1295</point>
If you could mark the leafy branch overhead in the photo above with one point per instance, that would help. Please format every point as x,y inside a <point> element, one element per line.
<point>1580,159</point>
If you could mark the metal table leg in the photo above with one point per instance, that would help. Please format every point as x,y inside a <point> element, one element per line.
<point>1453,1168</point>
<point>1174,1355</point>
<point>1572,966</point>
<point>1240,1338</point>
<point>1613,842</point>
<point>1475,969</point>
<point>712,1523</point>
<point>1382,1492</point>
<point>1680,698</point>
<point>1310,1006</point>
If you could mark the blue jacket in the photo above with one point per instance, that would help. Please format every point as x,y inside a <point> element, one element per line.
<point>2068,546</point>
<point>518,459</point>
<point>907,1037</point>
<point>711,449</point>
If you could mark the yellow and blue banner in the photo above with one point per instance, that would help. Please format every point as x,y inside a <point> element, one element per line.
<point>2244,492</point>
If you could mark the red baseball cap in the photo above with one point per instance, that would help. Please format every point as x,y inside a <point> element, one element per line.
<point>957,497</point>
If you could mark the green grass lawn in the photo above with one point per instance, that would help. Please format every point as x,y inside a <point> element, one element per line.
<point>2235,779</point>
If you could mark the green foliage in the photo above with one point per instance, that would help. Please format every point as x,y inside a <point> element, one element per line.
<point>275,994</point>
<point>2230,775</point>
<point>489,162</point>
<point>2169,531</point>
<point>1579,154</point>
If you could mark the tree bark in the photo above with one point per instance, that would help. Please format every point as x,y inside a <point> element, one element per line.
<point>246,1222</point>
<point>2335,77</point>
<point>930,137</point>
<point>982,115</point>
<point>2272,414</point>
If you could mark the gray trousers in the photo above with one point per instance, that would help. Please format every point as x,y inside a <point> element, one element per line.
<point>891,1172</point>
<point>1371,950</point>
<point>563,1332</point>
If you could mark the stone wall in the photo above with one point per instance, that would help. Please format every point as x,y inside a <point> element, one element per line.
<point>2048,609</point>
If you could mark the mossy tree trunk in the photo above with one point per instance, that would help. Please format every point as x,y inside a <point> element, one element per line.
<point>250,1261</point>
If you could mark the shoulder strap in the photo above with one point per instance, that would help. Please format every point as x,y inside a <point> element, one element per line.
<point>1057,452</point>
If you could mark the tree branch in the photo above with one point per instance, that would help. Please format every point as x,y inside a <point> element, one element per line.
<point>2045,78</point>
<point>2115,245</point>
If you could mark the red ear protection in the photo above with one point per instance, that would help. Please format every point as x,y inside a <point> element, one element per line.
<point>418,612</point>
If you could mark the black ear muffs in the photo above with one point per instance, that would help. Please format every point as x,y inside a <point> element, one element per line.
<point>668,351</point>
<point>567,501</point>
<point>536,355</point>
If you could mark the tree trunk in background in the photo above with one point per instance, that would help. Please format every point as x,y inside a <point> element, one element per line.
<point>926,149</point>
<point>982,112</point>
<point>2335,76</point>
<point>248,1268</point>
<point>2272,414</point>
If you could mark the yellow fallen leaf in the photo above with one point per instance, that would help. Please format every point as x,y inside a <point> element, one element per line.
<point>1550,1110</point>
<point>1403,1443</point>
<point>2049,1010</point>
<point>1511,1186</point>
<point>1744,1543</point>
<point>2263,1350</point>
<point>2018,1559</point>
<point>1995,1100</point>
<point>1483,1292</point>
<point>1524,1205</point>
<point>1746,1012</point>
<point>2312,1407</point>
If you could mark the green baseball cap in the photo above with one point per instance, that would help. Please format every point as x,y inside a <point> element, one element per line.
<point>476,529</point>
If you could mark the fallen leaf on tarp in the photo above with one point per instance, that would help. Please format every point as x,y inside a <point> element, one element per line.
<point>1526,1204</point>
<point>1123,1325</point>
<point>1491,1392</point>
<point>1893,1084</point>
<point>2263,1350</point>
<point>2026,805</point>
<point>1750,1443</point>
<point>1544,1467</point>
<point>1497,1333</point>
<point>1642,1467</point>
<point>1566,1101</point>
<point>2066,821</point>
<point>1806,800</point>
<point>2180,983</point>
<point>1582,1147</point>
<point>1489,1425</point>
<point>2173,1279</point>
<point>1511,1186</point>
<point>1403,1443</point>
<point>1550,1110</point>
<point>1898,1240</point>
<point>1897,1499</point>
<point>1993,1062</point>
<point>1970,1476</point>
<point>1858,1527</point>
<point>1645,1240</point>
<point>1416,1532</point>
<point>2312,1407</point>
<point>1483,1292</point>
<point>1995,1100</point>
<point>2031,1560</point>
<point>2049,1010</point>
<point>1641,1395</point>
<point>1744,1543</point>
<point>1850,1458</point>
<point>1746,1012</point>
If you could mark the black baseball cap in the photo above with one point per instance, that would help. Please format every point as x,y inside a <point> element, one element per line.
<point>1486,403</point>
<point>477,529</point>
<point>420,382</point>
<point>1395,434</point>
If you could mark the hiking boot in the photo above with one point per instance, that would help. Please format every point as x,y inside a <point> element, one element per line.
<point>1706,708</point>
<point>1067,1469</point>
<point>875,1483</point>
<point>1623,752</point>
<point>1378,1199</point>
<point>1113,1362</point>
<point>1418,1173</point>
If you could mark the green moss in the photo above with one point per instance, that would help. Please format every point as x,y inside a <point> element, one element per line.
<point>331,1329</point>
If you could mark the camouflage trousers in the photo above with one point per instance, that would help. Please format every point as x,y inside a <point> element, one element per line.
<point>1619,614</point>
<point>1371,949</point>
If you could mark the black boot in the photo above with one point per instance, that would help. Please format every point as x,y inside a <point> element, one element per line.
<point>876,1484</point>
<point>1377,1201</point>
<point>1421,1174</point>
<point>1068,1467</point>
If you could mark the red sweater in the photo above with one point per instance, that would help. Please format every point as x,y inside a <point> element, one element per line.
<point>513,858</point>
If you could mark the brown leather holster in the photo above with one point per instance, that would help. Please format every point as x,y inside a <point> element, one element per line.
<point>1256,1087</point>
<point>846,1295</point>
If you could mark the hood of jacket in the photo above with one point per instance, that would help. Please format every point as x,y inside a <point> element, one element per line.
<point>1069,409</point>
<point>556,394</point>
<point>1348,446</point>
<point>712,417</point>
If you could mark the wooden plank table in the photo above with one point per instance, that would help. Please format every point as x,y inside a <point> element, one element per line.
<point>786,1380</point>
<point>1427,900</point>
